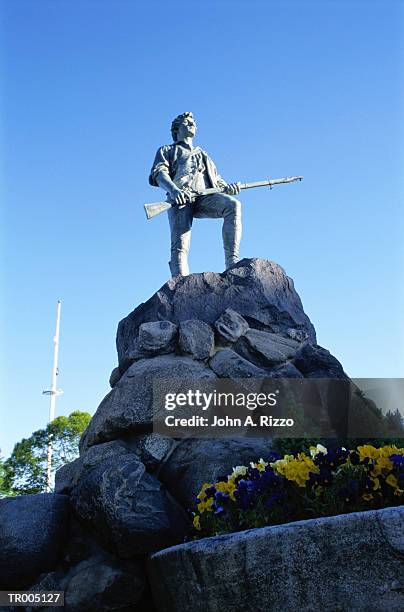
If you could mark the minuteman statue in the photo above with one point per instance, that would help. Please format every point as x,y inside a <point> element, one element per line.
<point>181,170</point>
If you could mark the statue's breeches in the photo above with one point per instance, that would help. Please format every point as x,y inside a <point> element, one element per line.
<point>216,206</point>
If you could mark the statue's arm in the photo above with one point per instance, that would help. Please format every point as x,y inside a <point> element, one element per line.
<point>160,176</point>
<point>161,164</point>
<point>164,181</point>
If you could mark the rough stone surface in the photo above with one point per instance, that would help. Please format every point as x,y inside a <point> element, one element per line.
<point>151,448</point>
<point>102,452</point>
<point>228,364</point>
<point>297,334</point>
<point>51,581</point>
<point>257,289</point>
<point>392,526</point>
<point>317,362</point>
<point>99,582</point>
<point>195,461</point>
<point>104,586</point>
<point>157,337</point>
<point>231,325</point>
<point>128,407</point>
<point>81,545</point>
<point>265,349</point>
<point>68,475</point>
<point>115,376</point>
<point>196,339</point>
<point>286,370</point>
<point>128,509</point>
<point>33,531</point>
<point>335,563</point>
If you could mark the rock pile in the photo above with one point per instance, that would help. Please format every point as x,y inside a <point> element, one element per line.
<point>130,488</point>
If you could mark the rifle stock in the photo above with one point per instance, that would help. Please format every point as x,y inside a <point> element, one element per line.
<point>152,210</point>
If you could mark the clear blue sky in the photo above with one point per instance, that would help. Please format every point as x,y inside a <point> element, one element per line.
<point>277,88</point>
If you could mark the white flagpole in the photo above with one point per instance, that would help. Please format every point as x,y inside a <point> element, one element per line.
<point>53,392</point>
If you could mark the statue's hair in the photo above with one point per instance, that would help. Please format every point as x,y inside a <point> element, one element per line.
<point>176,123</point>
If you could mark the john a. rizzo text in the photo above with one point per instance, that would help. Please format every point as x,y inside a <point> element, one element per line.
<point>227,421</point>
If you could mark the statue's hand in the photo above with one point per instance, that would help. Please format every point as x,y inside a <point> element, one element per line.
<point>179,196</point>
<point>233,189</point>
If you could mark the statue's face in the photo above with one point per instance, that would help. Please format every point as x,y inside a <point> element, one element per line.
<point>186,129</point>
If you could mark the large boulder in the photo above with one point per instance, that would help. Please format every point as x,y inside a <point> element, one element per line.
<point>69,474</point>
<point>314,361</point>
<point>104,586</point>
<point>115,376</point>
<point>33,531</point>
<point>98,582</point>
<point>128,407</point>
<point>81,545</point>
<point>231,325</point>
<point>257,289</point>
<point>265,349</point>
<point>157,337</point>
<point>228,364</point>
<point>128,509</point>
<point>347,562</point>
<point>196,339</point>
<point>149,448</point>
<point>65,476</point>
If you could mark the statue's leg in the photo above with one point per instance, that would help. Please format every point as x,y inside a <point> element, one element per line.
<point>180,219</point>
<point>220,205</point>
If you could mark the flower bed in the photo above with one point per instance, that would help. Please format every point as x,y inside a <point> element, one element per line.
<point>324,482</point>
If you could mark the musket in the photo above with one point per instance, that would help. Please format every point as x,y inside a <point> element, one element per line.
<point>152,210</point>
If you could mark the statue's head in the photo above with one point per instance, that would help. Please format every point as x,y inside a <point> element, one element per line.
<point>183,125</point>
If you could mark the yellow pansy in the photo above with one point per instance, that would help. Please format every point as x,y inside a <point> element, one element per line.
<point>209,504</point>
<point>205,506</point>
<point>303,457</point>
<point>202,494</point>
<point>382,466</point>
<point>392,481</point>
<point>386,451</point>
<point>226,487</point>
<point>297,470</point>
<point>376,484</point>
<point>197,523</point>
<point>367,451</point>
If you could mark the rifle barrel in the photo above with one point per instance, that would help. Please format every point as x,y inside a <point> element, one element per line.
<point>270,182</point>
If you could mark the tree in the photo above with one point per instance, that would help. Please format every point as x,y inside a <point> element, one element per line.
<point>395,423</point>
<point>4,489</point>
<point>25,470</point>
